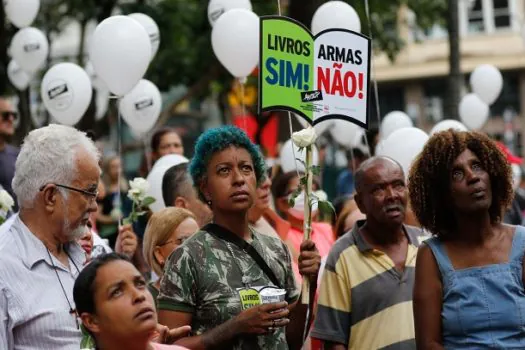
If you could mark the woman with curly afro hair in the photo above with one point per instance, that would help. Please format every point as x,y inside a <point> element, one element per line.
<point>469,287</point>
<point>212,281</point>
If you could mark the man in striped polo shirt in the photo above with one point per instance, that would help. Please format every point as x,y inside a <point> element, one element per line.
<point>365,299</point>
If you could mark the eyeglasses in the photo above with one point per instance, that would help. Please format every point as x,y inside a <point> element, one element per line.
<point>6,115</point>
<point>91,194</point>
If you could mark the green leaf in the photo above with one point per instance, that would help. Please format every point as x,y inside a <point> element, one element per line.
<point>127,221</point>
<point>140,213</point>
<point>316,170</point>
<point>325,207</point>
<point>146,202</point>
<point>291,202</point>
<point>303,180</point>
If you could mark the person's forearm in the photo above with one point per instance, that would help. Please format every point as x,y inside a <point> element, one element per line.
<point>295,329</point>
<point>214,338</point>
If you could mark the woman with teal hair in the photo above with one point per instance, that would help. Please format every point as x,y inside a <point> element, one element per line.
<point>234,286</point>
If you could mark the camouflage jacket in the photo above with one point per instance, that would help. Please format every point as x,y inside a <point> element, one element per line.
<point>201,278</point>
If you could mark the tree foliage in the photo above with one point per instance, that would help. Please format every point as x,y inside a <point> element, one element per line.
<point>185,55</point>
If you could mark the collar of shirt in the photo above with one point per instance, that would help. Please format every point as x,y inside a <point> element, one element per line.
<point>364,246</point>
<point>34,250</point>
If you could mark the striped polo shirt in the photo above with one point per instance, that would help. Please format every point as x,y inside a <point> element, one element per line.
<point>364,302</point>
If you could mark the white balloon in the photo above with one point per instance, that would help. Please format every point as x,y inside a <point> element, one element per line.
<point>156,176</point>
<point>120,53</point>
<point>393,121</point>
<point>473,112</point>
<point>170,160</point>
<point>30,48</point>
<point>516,176</point>
<point>288,161</point>
<point>17,76</point>
<point>141,107</point>
<point>218,7</point>
<point>235,41</point>
<point>448,124</point>
<point>102,103</point>
<point>96,82</point>
<point>319,127</point>
<point>403,145</point>
<point>344,132</point>
<point>335,14</point>
<point>66,92</point>
<point>486,82</point>
<point>151,28</point>
<point>21,12</point>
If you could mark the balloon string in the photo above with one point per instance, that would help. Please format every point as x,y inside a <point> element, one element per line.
<point>119,152</point>
<point>367,145</point>
<point>148,153</point>
<point>243,107</point>
<point>372,65</point>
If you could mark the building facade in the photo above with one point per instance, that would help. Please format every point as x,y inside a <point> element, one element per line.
<point>491,31</point>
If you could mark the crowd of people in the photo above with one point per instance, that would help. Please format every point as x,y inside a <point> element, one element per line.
<point>426,260</point>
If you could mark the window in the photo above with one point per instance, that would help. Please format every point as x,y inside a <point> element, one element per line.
<point>486,16</point>
<point>501,14</point>
<point>475,16</point>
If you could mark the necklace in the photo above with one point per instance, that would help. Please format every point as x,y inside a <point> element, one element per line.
<point>71,310</point>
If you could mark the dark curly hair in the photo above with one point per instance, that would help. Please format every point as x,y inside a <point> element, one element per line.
<point>217,139</point>
<point>429,178</point>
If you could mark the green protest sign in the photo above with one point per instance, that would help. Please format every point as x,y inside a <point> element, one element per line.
<point>319,78</point>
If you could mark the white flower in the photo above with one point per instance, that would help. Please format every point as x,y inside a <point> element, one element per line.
<point>6,201</point>
<point>138,188</point>
<point>305,137</point>
<point>321,195</point>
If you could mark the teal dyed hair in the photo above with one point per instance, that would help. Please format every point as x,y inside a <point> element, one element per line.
<point>217,139</point>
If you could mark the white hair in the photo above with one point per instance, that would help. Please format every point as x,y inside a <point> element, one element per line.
<point>48,155</point>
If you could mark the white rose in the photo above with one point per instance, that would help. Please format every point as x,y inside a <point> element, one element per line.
<point>6,201</point>
<point>321,195</point>
<point>305,137</point>
<point>140,184</point>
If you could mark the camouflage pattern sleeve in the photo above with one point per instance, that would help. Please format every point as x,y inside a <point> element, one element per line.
<point>178,287</point>
<point>292,290</point>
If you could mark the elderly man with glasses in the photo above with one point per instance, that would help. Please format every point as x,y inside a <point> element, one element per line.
<point>55,181</point>
<point>8,153</point>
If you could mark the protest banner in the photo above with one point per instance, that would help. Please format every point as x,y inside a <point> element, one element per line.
<point>320,77</point>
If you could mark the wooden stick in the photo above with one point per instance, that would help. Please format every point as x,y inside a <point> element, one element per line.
<point>307,228</point>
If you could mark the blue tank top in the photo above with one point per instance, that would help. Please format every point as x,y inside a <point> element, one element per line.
<point>483,307</point>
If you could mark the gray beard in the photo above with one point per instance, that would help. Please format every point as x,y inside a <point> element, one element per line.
<point>79,232</point>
